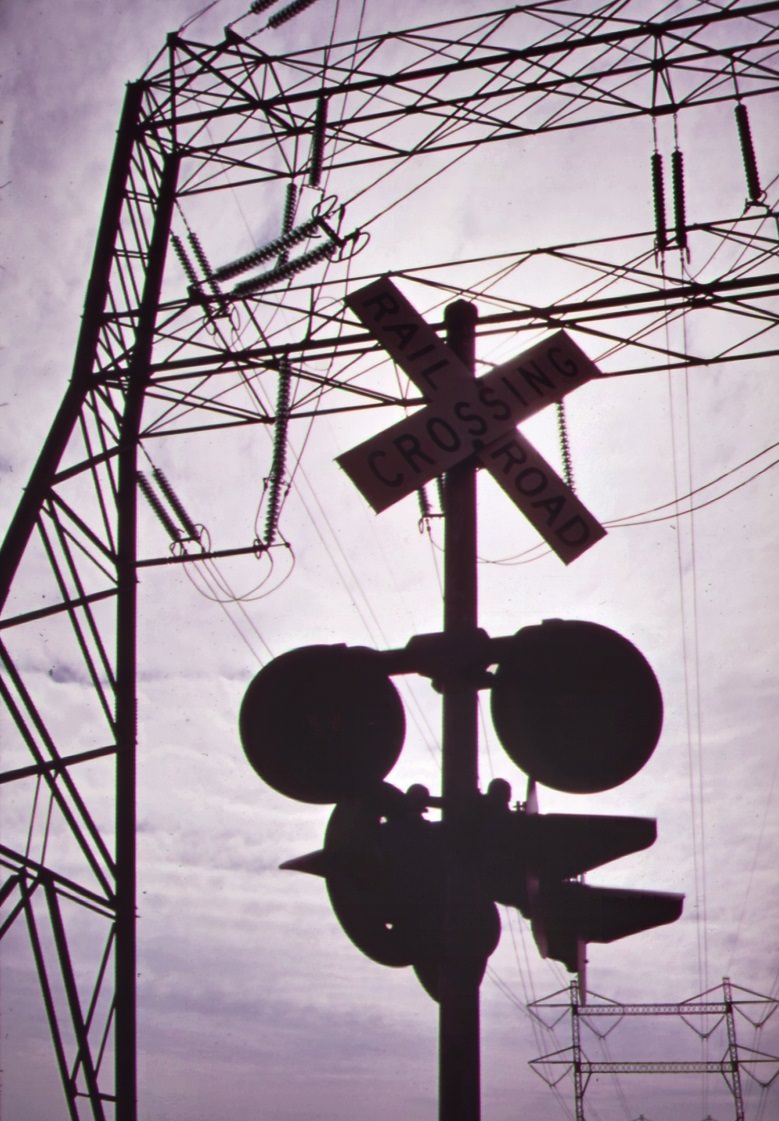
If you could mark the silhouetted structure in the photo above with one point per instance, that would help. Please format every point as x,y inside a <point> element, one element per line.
<point>157,359</point>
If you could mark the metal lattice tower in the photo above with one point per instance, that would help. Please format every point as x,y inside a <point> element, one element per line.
<point>188,330</point>
<point>708,1009</point>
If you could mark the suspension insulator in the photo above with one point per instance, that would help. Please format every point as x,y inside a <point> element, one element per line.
<point>565,446</point>
<point>289,208</point>
<point>425,509</point>
<point>157,507</point>
<point>748,153</point>
<point>279,462</point>
<point>202,260</point>
<point>285,271</point>
<point>658,194</point>
<point>184,260</point>
<point>288,12</point>
<point>176,505</point>
<point>680,214</point>
<point>272,249</point>
<point>287,223</point>
<point>318,143</point>
<point>258,6</point>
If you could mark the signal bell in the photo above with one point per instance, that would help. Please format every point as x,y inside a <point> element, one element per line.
<point>576,706</point>
<point>322,723</point>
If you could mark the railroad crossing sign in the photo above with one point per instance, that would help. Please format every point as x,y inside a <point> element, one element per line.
<point>467,416</point>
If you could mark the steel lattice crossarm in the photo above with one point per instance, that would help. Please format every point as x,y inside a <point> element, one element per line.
<point>456,83</point>
<point>191,327</point>
<point>697,1010</point>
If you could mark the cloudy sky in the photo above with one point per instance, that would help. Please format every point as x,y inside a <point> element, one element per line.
<point>252,1001</point>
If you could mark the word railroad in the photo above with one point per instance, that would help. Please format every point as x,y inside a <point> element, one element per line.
<point>471,416</point>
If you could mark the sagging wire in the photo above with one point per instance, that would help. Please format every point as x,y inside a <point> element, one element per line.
<point>201,12</point>
<point>220,590</point>
<point>627,521</point>
<point>229,598</point>
<point>187,533</point>
<point>689,637</point>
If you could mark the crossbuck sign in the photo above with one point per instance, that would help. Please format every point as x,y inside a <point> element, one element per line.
<point>471,416</point>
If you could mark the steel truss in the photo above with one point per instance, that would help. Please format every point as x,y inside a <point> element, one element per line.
<point>705,1009</point>
<point>174,344</point>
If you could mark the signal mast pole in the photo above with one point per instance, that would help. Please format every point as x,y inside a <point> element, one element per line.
<point>459,1049</point>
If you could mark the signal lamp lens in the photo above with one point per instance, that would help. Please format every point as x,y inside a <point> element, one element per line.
<point>322,723</point>
<point>576,706</point>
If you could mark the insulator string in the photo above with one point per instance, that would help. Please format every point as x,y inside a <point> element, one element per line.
<point>184,261</point>
<point>279,460</point>
<point>283,272</point>
<point>748,153</point>
<point>439,485</point>
<point>565,446</point>
<point>157,507</point>
<point>274,248</point>
<point>287,13</point>
<point>288,220</point>
<point>202,260</point>
<point>318,143</point>
<point>658,195</point>
<point>680,212</point>
<point>176,505</point>
<point>425,509</point>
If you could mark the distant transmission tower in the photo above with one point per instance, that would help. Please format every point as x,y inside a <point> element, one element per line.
<point>187,332</point>
<point>710,1009</point>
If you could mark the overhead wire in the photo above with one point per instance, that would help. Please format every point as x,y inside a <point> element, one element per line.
<point>627,521</point>
<point>688,625</point>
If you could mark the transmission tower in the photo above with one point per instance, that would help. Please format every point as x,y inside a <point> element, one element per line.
<point>192,329</point>
<point>703,1014</point>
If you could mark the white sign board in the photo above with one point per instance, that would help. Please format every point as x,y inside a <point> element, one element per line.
<point>469,416</point>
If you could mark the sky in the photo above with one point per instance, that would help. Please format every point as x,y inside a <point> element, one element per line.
<point>252,1001</point>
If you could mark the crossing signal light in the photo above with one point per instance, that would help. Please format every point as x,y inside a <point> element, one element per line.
<point>322,723</point>
<point>576,705</point>
<point>551,852</point>
<point>385,870</point>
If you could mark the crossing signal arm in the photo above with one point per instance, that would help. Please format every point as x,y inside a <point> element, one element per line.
<point>325,724</point>
<point>384,864</point>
